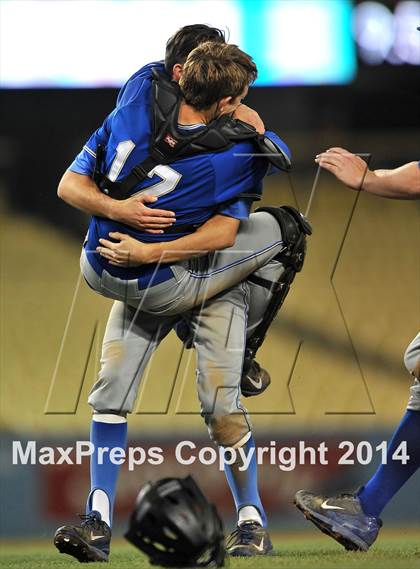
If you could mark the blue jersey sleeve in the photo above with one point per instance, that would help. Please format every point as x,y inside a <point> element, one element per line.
<point>277,140</point>
<point>239,209</point>
<point>239,172</point>
<point>131,90</point>
<point>84,163</point>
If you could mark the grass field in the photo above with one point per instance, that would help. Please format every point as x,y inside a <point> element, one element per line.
<point>393,551</point>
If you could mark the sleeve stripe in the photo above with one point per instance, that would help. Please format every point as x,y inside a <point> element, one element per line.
<point>89,151</point>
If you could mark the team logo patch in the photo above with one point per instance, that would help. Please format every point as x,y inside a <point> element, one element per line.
<point>170,140</point>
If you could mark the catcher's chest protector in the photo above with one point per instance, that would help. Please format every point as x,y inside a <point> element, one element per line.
<point>168,144</point>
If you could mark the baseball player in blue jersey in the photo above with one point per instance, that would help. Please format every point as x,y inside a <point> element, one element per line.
<point>154,281</point>
<point>84,194</point>
<point>353,519</point>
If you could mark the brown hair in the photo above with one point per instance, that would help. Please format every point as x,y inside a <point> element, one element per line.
<point>214,71</point>
<point>185,40</point>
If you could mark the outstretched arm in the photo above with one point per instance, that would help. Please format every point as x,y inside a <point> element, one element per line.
<point>400,183</point>
<point>217,233</point>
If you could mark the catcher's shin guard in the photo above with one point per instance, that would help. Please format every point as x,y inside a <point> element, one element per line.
<point>294,229</point>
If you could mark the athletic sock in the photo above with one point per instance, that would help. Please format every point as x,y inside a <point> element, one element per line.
<point>390,477</point>
<point>244,485</point>
<point>106,431</point>
<point>249,514</point>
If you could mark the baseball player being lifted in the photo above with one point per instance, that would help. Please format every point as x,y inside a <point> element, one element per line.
<point>353,519</point>
<point>200,161</point>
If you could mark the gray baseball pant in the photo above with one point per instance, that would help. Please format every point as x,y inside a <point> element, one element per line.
<point>258,241</point>
<point>218,326</point>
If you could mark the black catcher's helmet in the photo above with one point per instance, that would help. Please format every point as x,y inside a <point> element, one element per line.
<point>176,526</point>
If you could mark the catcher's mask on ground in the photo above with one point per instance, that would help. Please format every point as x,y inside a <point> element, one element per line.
<point>176,526</point>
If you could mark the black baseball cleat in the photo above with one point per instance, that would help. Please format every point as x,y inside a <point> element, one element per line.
<point>341,517</point>
<point>255,380</point>
<point>248,540</point>
<point>89,542</point>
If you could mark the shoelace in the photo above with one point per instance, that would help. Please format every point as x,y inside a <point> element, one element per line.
<point>352,497</point>
<point>345,496</point>
<point>89,520</point>
<point>243,533</point>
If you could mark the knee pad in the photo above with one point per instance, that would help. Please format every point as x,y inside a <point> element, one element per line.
<point>294,228</point>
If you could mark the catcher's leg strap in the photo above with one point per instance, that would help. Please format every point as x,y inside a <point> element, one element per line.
<point>294,229</point>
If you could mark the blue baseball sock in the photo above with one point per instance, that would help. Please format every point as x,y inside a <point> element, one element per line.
<point>389,477</point>
<point>106,431</point>
<point>244,484</point>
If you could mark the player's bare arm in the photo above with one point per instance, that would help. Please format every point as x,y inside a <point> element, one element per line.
<point>82,193</point>
<point>248,115</point>
<point>217,233</point>
<point>399,183</point>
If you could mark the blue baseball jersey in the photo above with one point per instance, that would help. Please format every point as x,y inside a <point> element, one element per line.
<point>195,188</point>
<point>129,92</point>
